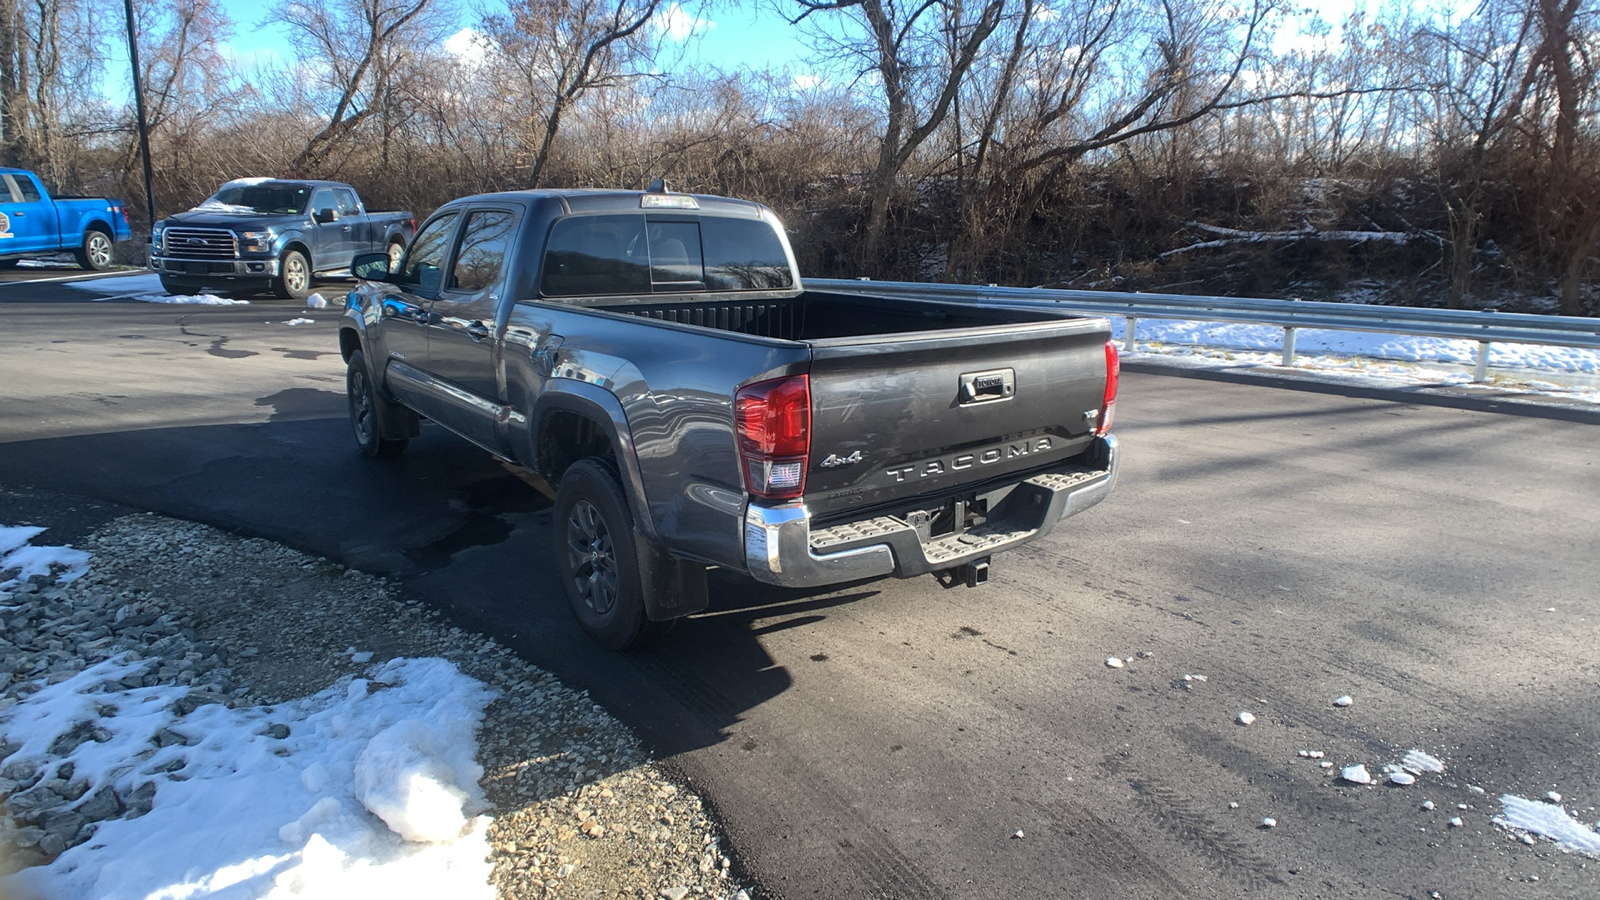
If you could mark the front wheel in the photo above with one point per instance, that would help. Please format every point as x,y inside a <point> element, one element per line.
<point>173,288</point>
<point>95,254</point>
<point>596,559</point>
<point>294,277</point>
<point>365,407</point>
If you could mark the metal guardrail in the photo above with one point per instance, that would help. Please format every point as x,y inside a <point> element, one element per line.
<point>1486,328</point>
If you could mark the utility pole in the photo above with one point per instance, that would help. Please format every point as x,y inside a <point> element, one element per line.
<point>138,107</point>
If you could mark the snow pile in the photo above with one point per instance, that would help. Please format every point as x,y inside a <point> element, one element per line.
<point>20,560</point>
<point>1551,821</point>
<point>196,299</point>
<point>317,301</point>
<point>146,289</point>
<point>299,320</point>
<point>366,789</point>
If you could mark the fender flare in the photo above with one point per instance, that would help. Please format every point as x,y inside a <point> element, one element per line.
<point>672,587</point>
<point>604,409</point>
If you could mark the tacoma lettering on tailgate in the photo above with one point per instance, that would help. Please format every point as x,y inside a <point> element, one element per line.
<point>985,457</point>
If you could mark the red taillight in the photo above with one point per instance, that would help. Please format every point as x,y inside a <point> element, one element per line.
<point>774,424</point>
<point>1113,375</point>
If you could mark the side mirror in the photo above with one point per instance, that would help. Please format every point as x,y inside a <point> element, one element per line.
<point>324,216</point>
<point>371,266</point>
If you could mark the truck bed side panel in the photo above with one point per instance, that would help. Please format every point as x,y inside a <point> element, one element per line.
<point>676,386</point>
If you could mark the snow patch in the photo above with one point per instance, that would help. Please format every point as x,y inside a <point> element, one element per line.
<point>21,560</point>
<point>1419,762</point>
<point>300,321</point>
<point>1356,774</point>
<point>246,814</point>
<point>147,289</point>
<point>195,299</point>
<point>1550,821</point>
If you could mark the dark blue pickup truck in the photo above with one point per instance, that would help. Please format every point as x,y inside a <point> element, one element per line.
<point>256,234</point>
<point>32,223</point>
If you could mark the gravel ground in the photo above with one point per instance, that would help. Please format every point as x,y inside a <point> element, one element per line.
<point>579,809</point>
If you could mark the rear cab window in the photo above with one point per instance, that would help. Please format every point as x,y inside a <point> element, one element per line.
<point>641,253</point>
<point>28,190</point>
<point>348,204</point>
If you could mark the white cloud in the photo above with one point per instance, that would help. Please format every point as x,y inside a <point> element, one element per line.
<point>468,46</point>
<point>678,24</point>
<point>807,81</point>
<point>252,59</point>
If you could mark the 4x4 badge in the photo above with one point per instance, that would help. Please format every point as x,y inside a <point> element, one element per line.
<point>834,461</point>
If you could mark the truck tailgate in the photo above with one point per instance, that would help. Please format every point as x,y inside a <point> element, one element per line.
<point>897,417</point>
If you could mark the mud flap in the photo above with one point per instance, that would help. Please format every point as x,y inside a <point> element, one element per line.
<point>673,588</point>
<point>396,422</point>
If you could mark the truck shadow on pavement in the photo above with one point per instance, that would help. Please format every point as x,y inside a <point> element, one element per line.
<point>455,528</point>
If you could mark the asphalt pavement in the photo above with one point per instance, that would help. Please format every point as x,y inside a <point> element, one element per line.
<point>1271,546</point>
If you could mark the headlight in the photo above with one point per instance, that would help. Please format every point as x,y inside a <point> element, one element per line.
<point>256,240</point>
<point>156,238</point>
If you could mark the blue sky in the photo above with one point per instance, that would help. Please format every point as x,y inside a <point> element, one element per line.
<point>751,36</point>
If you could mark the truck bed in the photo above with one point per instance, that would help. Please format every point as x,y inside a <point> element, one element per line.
<point>886,375</point>
<point>820,316</point>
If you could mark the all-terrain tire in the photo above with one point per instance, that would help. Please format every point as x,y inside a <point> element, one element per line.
<point>366,412</point>
<point>595,557</point>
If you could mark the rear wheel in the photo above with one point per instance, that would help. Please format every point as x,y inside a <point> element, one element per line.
<point>365,412</point>
<point>95,254</point>
<point>596,559</point>
<point>294,277</point>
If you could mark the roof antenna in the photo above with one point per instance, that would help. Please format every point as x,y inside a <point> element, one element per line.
<point>659,186</point>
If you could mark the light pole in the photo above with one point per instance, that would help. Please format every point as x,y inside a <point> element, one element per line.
<point>138,106</point>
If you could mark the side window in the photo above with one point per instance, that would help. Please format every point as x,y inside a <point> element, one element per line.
<point>321,200</point>
<point>348,205</point>
<point>424,263</point>
<point>744,255</point>
<point>675,258</point>
<point>28,190</point>
<point>8,190</point>
<point>483,248</point>
<point>591,255</point>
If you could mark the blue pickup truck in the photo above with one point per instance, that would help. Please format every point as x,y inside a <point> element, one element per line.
<point>32,223</point>
<point>256,234</point>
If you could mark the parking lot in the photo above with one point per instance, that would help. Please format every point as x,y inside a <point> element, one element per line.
<point>1271,546</point>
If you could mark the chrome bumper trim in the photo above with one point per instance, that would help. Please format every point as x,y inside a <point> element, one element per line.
<point>778,545</point>
<point>241,267</point>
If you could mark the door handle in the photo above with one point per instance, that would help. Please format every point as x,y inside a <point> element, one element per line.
<point>478,331</point>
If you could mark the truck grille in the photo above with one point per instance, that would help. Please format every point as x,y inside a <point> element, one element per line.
<point>200,243</point>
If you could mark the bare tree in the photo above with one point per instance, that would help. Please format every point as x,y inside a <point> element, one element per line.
<point>48,60</point>
<point>561,50</point>
<point>355,46</point>
<point>1564,93</point>
<point>919,52</point>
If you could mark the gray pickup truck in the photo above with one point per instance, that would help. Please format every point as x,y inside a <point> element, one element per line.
<point>256,234</point>
<point>654,357</point>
